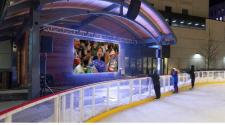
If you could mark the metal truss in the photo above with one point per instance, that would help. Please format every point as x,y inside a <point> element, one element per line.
<point>87,35</point>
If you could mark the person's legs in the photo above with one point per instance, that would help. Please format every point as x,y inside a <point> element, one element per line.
<point>175,87</point>
<point>159,92</point>
<point>156,92</point>
<point>192,83</point>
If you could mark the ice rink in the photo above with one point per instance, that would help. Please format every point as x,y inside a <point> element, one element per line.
<point>204,104</point>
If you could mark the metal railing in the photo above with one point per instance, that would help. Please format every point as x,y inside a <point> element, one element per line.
<point>80,104</point>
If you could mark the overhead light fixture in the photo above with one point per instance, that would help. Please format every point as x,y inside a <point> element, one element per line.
<point>189,23</point>
<point>167,20</point>
<point>174,21</point>
<point>182,22</point>
<point>203,25</point>
<point>196,24</point>
<point>154,46</point>
<point>197,56</point>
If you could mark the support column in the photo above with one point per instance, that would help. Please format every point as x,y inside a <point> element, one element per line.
<point>121,7</point>
<point>159,60</point>
<point>34,51</point>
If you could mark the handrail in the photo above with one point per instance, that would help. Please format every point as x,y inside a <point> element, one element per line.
<point>90,100</point>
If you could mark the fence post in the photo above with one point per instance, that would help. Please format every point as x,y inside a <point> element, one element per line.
<point>150,87</point>
<point>63,113</point>
<point>131,90</point>
<point>107,97</point>
<point>57,109</point>
<point>139,92</point>
<point>8,119</point>
<point>223,75</point>
<point>93,102</point>
<point>81,105</point>
<point>118,93</point>
<point>164,84</point>
<point>71,107</point>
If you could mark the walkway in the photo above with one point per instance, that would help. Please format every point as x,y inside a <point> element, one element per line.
<point>204,104</point>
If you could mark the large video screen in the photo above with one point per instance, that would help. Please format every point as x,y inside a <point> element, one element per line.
<point>95,57</point>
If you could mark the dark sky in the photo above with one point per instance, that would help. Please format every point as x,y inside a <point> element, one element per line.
<point>213,2</point>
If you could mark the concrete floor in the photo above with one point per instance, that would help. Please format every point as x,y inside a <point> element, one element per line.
<point>204,104</point>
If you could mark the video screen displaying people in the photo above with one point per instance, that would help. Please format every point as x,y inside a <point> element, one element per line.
<point>95,57</point>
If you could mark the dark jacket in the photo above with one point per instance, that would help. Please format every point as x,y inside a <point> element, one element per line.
<point>192,74</point>
<point>155,79</point>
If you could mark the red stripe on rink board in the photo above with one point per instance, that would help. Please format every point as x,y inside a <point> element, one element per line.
<point>36,100</point>
<point>55,94</point>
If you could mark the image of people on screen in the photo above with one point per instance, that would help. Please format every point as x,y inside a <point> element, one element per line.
<point>95,57</point>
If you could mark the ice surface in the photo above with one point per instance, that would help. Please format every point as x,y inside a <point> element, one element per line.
<point>204,104</point>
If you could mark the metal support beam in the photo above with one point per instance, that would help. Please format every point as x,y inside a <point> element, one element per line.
<point>74,24</point>
<point>94,17</point>
<point>86,35</point>
<point>34,52</point>
<point>124,27</point>
<point>121,7</point>
<point>4,10</point>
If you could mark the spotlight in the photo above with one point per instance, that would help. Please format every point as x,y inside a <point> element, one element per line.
<point>182,22</point>
<point>196,24</point>
<point>189,23</point>
<point>197,56</point>
<point>174,21</point>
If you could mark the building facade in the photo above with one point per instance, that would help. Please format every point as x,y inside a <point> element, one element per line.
<point>200,40</point>
<point>217,12</point>
<point>197,8</point>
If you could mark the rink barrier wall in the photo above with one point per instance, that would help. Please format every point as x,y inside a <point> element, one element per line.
<point>94,102</point>
<point>148,100</point>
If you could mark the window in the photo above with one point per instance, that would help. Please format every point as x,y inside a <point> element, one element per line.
<point>152,4</point>
<point>184,12</point>
<point>168,9</point>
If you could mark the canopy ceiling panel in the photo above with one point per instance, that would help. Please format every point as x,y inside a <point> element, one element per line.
<point>113,27</point>
<point>100,15</point>
<point>101,23</point>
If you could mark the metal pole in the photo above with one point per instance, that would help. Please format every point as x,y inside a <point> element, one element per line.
<point>121,7</point>
<point>158,57</point>
<point>34,51</point>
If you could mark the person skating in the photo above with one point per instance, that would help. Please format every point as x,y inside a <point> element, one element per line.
<point>192,76</point>
<point>174,75</point>
<point>156,83</point>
